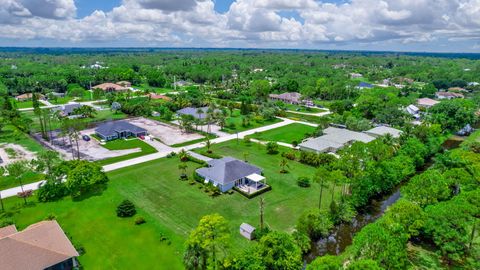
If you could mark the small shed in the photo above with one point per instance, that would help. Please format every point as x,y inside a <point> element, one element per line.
<point>247,230</point>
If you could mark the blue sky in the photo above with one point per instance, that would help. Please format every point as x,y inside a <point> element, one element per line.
<point>407,25</point>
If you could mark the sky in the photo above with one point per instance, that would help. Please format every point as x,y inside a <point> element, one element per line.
<point>385,25</point>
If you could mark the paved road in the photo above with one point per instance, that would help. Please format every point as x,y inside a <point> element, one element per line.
<point>49,105</point>
<point>111,167</point>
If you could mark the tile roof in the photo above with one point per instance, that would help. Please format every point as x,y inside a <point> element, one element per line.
<point>427,102</point>
<point>39,246</point>
<point>109,86</point>
<point>226,170</point>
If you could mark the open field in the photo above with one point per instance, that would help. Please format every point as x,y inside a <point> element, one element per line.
<point>23,104</point>
<point>166,203</point>
<point>61,100</point>
<point>10,134</point>
<point>298,108</point>
<point>287,134</point>
<point>236,120</point>
<point>305,118</point>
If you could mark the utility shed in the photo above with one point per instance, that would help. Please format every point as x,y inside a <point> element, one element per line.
<point>247,230</point>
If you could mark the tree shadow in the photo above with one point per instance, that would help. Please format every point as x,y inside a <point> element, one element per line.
<point>95,191</point>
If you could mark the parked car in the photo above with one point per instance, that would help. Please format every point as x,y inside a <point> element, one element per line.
<point>86,138</point>
<point>141,137</point>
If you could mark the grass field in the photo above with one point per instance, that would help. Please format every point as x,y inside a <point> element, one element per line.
<point>305,118</point>
<point>171,207</point>
<point>24,104</point>
<point>236,119</point>
<point>297,108</point>
<point>287,134</point>
<point>159,90</point>
<point>7,182</point>
<point>127,144</point>
<point>61,100</point>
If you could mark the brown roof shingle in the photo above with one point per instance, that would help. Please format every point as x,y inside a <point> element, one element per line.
<point>39,246</point>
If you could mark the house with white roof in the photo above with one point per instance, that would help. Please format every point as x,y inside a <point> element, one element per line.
<point>384,130</point>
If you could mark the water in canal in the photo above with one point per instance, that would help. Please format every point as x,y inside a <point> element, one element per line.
<point>342,234</point>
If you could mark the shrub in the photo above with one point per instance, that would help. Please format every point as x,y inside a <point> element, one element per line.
<point>272,148</point>
<point>291,155</point>
<point>139,221</point>
<point>51,191</point>
<point>247,140</point>
<point>126,209</point>
<point>294,143</point>
<point>25,194</point>
<point>303,181</point>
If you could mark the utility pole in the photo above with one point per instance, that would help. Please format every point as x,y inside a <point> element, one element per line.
<point>262,208</point>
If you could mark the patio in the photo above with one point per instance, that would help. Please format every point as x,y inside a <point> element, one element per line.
<point>252,183</point>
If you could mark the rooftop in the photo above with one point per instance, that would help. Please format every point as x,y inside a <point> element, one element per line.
<point>39,246</point>
<point>336,138</point>
<point>427,102</point>
<point>383,130</point>
<point>109,86</point>
<point>112,128</point>
<point>227,170</point>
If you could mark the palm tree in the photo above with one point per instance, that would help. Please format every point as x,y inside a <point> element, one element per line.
<point>245,156</point>
<point>195,257</point>
<point>283,166</point>
<point>183,155</point>
<point>17,170</point>
<point>183,168</point>
<point>200,112</point>
<point>321,178</point>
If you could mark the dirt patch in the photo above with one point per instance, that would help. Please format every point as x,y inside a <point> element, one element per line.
<point>168,134</point>
<point>10,153</point>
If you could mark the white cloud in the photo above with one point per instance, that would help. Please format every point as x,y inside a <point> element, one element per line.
<point>247,22</point>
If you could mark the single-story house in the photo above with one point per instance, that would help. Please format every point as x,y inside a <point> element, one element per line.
<point>291,98</point>
<point>228,172</point>
<point>384,130</point>
<point>110,87</point>
<point>334,139</point>
<point>67,109</point>
<point>356,75</point>
<point>28,96</point>
<point>413,111</point>
<point>448,95</point>
<point>426,102</point>
<point>126,84</point>
<point>157,96</point>
<point>364,85</point>
<point>180,83</point>
<point>119,130</point>
<point>42,245</point>
<point>194,112</point>
<point>247,231</point>
<point>473,83</point>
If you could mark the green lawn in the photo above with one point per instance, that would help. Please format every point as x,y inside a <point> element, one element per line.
<point>236,119</point>
<point>11,134</point>
<point>61,100</point>
<point>159,90</point>
<point>24,104</point>
<point>305,118</point>
<point>287,134</point>
<point>7,182</point>
<point>171,207</point>
<point>126,144</point>
<point>297,108</point>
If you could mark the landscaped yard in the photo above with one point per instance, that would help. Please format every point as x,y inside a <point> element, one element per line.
<point>306,118</point>
<point>234,123</point>
<point>287,134</point>
<point>159,90</point>
<point>121,144</point>
<point>11,134</point>
<point>298,108</point>
<point>61,100</point>
<point>171,207</point>
<point>7,182</point>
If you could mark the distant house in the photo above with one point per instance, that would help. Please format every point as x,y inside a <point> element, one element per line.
<point>119,130</point>
<point>448,95</point>
<point>466,130</point>
<point>180,83</point>
<point>157,96</point>
<point>356,75</point>
<point>291,98</point>
<point>126,84</point>
<point>110,87</point>
<point>194,112</point>
<point>473,83</point>
<point>382,131</point>
<point>28,97</point>
<point>67,109</point>
<point>247,231</point>
<point>413,111</point>
<point>228,172</point>
<point>364,85</point>
<point>42,245</point>
<point>426,102</point>
<point>334,139</point>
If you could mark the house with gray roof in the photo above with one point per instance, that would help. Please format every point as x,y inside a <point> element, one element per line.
<point>67,109</point>
<point>194,112</point>
<point>119,130</point>
<point>384,130</point>
<point>228,172</point>
<point>334,139</point>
